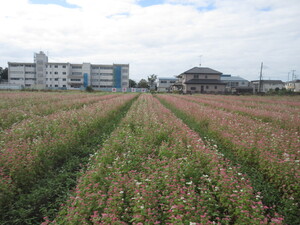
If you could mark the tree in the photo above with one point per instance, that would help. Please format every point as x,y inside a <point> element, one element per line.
<point>132,83</point>
<point>151,80</point>
<point>143,84</point>
<point>3,74</point>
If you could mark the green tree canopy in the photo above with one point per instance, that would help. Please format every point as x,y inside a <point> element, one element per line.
<point>132,84</point>
<point>143,84</point>
<point>3,73</point>
<point>151,81</point>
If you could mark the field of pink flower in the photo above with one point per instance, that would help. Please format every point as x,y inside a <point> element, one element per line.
<point>173,159</point>
<point>282,114</point>
<point>35,146</point>
<point>15,107</point>
<point>272,151</point>
<point>155,170</point>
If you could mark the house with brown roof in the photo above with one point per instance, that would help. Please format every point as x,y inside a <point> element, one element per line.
<point>201,80</point>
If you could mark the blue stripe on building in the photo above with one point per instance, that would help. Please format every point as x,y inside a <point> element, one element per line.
<point>117,76</point>
<point>85,80</point>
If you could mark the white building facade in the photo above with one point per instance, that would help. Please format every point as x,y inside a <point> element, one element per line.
<point>164,84</point>
<point>266,85</point>
<point>44,75</point>
<point>293,86</point>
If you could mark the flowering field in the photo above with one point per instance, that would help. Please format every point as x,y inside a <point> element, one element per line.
<point>33,147</point>
<point>165,159</point>
<point>15,107</point>
<point>263,147</point>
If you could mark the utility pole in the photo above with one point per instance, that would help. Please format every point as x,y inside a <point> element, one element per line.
<point>260,78</point>
<point>294,76</point>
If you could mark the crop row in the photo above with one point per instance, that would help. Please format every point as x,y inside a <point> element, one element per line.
<point>279,115</point>
<point>273,152</point>
<point>287,101</point>
<point>155,170</point>
<point>45,104</point>
<point>36,146</point>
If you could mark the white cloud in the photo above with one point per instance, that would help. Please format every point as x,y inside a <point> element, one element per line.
<point>167,39</point>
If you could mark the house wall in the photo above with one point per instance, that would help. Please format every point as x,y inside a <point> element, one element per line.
<point>164,84</point>
<point>267,87</point>
<point>208,88</point>
<point>201,76</point>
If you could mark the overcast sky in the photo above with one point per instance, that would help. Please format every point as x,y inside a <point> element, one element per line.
<point>162,37</point>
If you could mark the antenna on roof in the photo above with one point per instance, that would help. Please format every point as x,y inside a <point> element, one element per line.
<point>200,56</point>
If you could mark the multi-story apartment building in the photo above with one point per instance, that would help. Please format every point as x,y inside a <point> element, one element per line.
<point>43,74</point>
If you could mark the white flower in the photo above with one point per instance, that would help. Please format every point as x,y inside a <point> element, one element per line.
<point>189,183</point>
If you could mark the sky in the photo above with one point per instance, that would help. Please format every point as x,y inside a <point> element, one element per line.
<point>161,37</point>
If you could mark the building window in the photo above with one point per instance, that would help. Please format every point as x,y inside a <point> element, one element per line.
<point>205,76</point>
<point>106,68</point>
<point>56,79</point>
<point>193,88</point>
<point>55,72</point>
<point>76,73</point>
<point>63,66</point>
<point>196,76</point>
<point>55,66</point>
<point>207,87</point>
<point>64,73</point>
<point>76,67</point>
<point>216,87</point>
<point>163,82</point>
<point>64,85</point>
<point>64,79</point>
<point>75,79</point>
<point>56,85</point>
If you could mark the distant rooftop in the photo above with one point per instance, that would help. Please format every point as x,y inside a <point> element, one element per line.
<point>232,78</point>
<point>167,78</point>
<point>202,70</point>
<point>268,81</point>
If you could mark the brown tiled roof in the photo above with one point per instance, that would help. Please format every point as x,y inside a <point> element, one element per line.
<point>202,70</point>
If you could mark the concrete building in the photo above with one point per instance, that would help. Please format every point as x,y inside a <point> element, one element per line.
<point>45,75</point>
<point>201,80</point>
<point>266,85</point>
<point>164,84</point>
